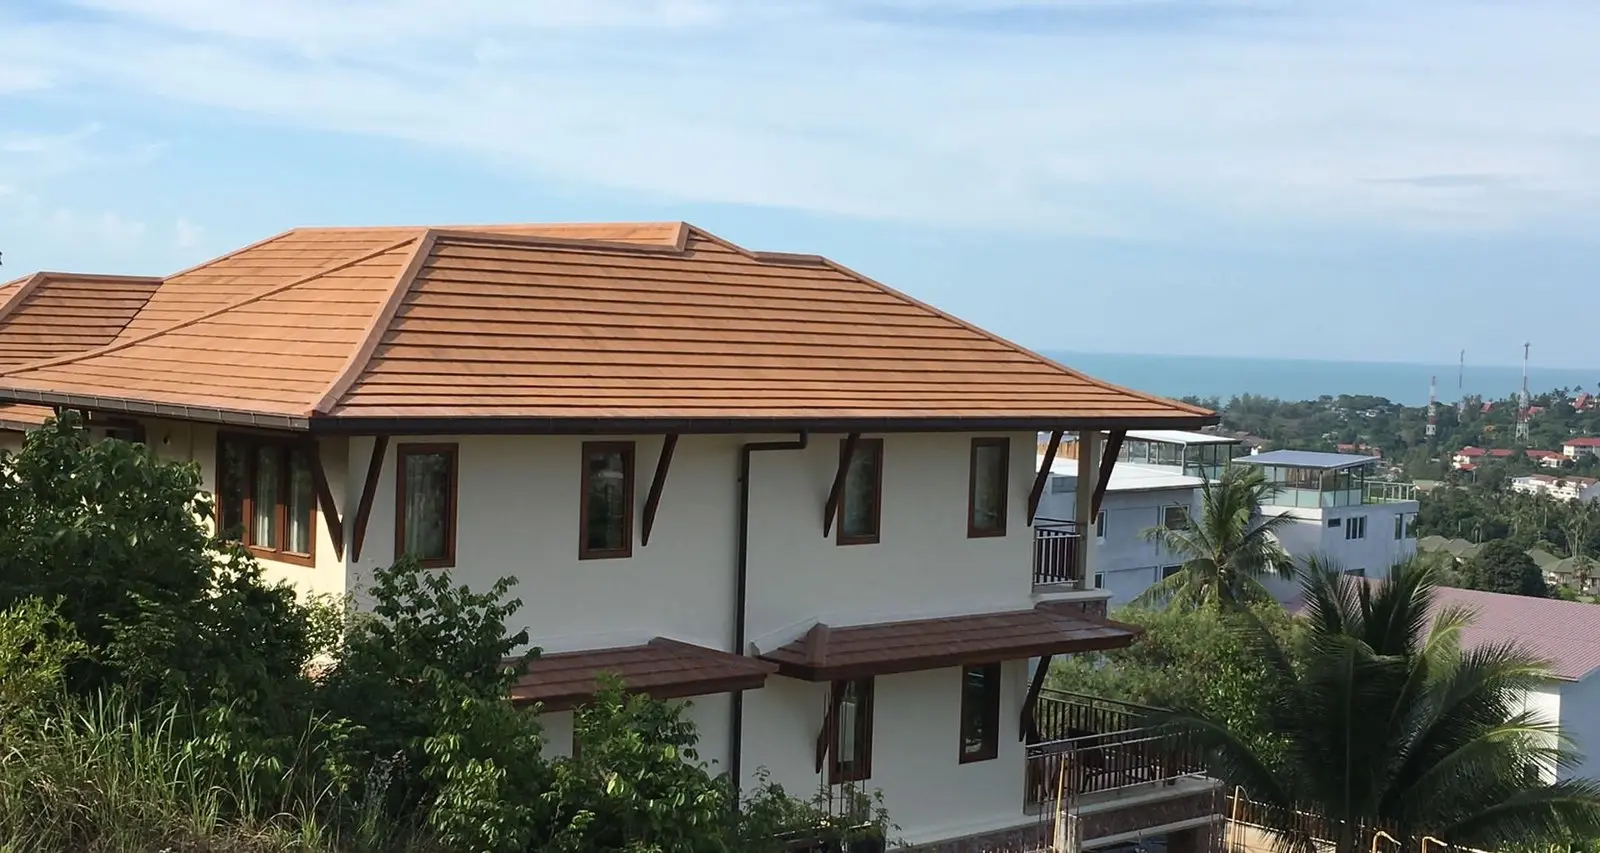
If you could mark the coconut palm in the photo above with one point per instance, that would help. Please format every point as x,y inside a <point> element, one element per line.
<point>1228,549</point>
<point>1385,723</point>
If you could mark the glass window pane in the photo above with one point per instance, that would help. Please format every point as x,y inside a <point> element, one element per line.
<point>301,499</point>
<point>607,487</point>
<point>980,697</point>
<point>427,480</point>
<point>860,502</point>
<point>233,475</point>
<point>988,487</point>
<point>264,497</point>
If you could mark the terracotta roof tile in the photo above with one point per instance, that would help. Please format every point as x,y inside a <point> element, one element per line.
<point>631,321</point>
<point>825,653</point>
<point>662,668</point>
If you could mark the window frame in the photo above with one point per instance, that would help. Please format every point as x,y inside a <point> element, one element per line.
<point>992,673</point>
<point>861,769</point>
<point>401,454</point>
<point>626,450</point>
<point>973,530</point>
<point>1355,527</point>
<point>1100,525</point>
<point>1165,510</point>
<point>286,446</point>
<point>862,445</point>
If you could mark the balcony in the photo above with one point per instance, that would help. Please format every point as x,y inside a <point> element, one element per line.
<point>1086,746</point>
<point>1057,555</point>
<point>1387,493</point>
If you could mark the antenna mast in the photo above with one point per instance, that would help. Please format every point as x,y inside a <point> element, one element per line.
<point>1523,400</point>
<point>1461,384</point>
<point>1433,409</point>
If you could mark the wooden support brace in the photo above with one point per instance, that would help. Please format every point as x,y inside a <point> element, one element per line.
<point>1043,476</point>
<point>652,501</point>
<point>1108,461</point>
<point>368,492</point>
<point>831,508</point>
<point>1028,726</point>
<point>330,510</point>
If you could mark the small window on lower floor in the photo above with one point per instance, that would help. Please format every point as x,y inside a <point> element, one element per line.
<point>1099,580</point>
<point>980,712</point>
<point>1169,571</point>
<point>851,746</point>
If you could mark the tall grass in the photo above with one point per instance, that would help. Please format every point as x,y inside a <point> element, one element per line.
<point>96,776</point>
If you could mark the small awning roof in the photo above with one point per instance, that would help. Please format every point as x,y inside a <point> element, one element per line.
<point>23,418</point>
<point>662,668</point>
<point>860,651</point>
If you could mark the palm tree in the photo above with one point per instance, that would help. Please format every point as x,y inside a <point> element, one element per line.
<point>1228,549</point>
<point>1385,723</point>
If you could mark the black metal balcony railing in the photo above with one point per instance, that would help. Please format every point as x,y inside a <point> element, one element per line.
<point>1056,549</point>
<point>1088,745</point>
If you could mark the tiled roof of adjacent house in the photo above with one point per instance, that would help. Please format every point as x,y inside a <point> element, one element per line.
<point>544,325</point>
<point>1584,441</point>
<point>1566,633</point>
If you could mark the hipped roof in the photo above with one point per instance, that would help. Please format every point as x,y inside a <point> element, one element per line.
<point>560,328</point>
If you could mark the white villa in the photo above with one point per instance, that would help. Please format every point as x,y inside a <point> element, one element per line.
<point>1364,525</point>
<point>760,482</point>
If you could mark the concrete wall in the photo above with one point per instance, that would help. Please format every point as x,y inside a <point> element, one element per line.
<point>1126,561</point>
<point>1310,534</point>
<point>1578,706</point>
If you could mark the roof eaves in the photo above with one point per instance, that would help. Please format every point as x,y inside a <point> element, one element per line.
<point>353,367</point>
<point>714,425</point>
<point>1205,416</point>
<point>122,405</point>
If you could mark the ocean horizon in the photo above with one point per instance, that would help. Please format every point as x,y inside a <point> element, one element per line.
<point>1306,379</point>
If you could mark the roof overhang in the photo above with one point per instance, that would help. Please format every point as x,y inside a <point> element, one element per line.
<point>662,668</point>
<point>724,425</point>
<point>885,648</point>
<point>148,408</point>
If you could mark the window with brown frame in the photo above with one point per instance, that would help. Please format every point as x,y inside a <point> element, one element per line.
<point>861,505</point>
<point>605,516</point>
<point>987,486</point>
<point>980,712</point>
<point>851,747</point>
<point>266,496</point>
<point>425,504</point>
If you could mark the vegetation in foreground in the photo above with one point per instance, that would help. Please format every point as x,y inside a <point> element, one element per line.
<point>156,694</point>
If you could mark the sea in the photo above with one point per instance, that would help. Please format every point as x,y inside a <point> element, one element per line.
<point>1306,379</point>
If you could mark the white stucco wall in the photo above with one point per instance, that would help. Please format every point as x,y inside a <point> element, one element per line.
<point>1310,535</point>
<point>1547,706</point>
<point>1579,709</point>
<point>1127,562</point>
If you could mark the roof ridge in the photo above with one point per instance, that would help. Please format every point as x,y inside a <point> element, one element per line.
<point>233,254</point>
<point>356,364</point>
<point>237,303</point>
<point>25,288</point>
<point>558,242</point>
<point>1018,348</point>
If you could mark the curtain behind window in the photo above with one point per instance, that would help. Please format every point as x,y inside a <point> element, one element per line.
<point>427,505</point>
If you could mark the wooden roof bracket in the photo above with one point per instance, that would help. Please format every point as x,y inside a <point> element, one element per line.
<point>1043,476</point>
<point>831,508</point>
<point>652,501</point>
<point>369,488</point>
<point>1028,726</point>
<point>330,509</point>
<point>1108,461</point>
<point>830,725</point>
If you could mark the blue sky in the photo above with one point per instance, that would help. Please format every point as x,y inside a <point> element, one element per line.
<point>1340,179</point>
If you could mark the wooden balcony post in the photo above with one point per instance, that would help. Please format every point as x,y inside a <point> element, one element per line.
<point>1089,445</point>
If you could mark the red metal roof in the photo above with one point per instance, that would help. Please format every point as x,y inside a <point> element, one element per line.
<point>1566,633</point>
<point>1585,441</point>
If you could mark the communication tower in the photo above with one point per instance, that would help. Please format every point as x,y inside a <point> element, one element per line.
<point>1523,400</point>
<point>1433,408</point>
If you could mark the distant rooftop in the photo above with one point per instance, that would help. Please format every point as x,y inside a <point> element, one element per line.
<point>1176,436</point>
<point>1130,476</point>
<point>1309,459</point>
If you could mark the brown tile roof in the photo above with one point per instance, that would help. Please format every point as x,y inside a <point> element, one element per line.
<point>52,314</point>
<point>540,327</point>
<point>662,668</point>
<point>825,653</point>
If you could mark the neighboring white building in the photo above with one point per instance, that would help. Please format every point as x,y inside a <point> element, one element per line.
<point>1576,447</point>
<point>1583,489</point>
<point>757,481</point>
<point>1156,482</point>
<point>1364,526</point>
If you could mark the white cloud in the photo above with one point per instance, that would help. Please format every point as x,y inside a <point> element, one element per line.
<point>1059,116</point>
<point>185,234</point>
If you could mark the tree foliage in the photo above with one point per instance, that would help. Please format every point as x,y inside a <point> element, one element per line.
<point>1500,566</point>
<point>1228,549</point>
<point>1387,724</point>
